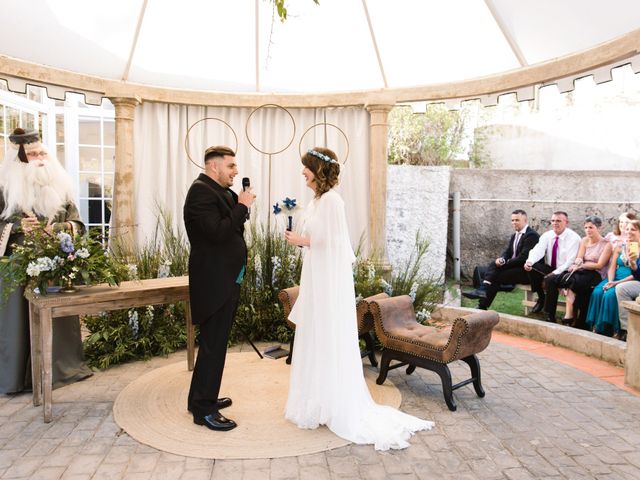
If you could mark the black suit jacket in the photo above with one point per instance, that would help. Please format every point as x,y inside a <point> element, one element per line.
<point>214,221</point>
<point>526,243</point>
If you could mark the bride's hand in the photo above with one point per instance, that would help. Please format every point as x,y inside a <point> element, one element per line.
<point>296,240</point>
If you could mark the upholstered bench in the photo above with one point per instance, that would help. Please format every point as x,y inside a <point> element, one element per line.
<point>416,345</point>
<point>288,297</point>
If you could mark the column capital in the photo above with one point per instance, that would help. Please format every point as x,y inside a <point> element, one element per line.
<point>379,107</point>
<point>125,106</point>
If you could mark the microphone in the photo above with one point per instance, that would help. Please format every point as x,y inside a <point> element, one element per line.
<point>246,184</point>
<point>290,223</point>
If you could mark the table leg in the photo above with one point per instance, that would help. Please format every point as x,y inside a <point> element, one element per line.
<point>36,354</point>
<point>47,352</point>
<point>191,336</point>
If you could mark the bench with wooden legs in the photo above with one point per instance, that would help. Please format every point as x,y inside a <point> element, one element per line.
<point>410,343</point>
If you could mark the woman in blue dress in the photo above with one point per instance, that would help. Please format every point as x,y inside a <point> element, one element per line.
<point>602,316</point>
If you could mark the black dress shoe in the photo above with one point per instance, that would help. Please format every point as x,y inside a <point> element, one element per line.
<point>215,421</point>
<point>475,294</point>
<point>568,322</point>
<point>537,308</point>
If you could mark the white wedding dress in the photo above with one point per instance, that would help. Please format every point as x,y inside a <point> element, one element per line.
<point>327,385</point>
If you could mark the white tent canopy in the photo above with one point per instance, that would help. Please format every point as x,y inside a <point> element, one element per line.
<point>341,45</point>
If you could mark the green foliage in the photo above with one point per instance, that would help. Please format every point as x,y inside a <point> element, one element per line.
<point>44,259</point>
<point>406,279</point>
<point>140,333</point>
<point>281,8</point>
<point>137,333</point>
<point>478,152</point>
<point>431,138</point>
<point>272,265</point>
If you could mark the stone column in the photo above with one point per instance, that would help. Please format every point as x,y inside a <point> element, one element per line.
<point>123,218</point>
<point>378,152</point>
<point>632,357</point>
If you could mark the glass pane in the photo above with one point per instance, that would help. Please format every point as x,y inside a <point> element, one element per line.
<point>108,185</point>
<point>89,159</point>
<point>2,120</point>
<point>13,119</point>
<point>109,133</point>
<point>107,210</point>
<point>35,93</point>
<point>90,185</point>
<point>44,134</point>
<point>106,104</point>
<point>59,128</point>
<point>3,84</point>
<point>109,159</point>
<point>84,209</point>
<point>60,154</point>
<point>95,211</point>
<point>1,148</point>
<point>28,120</point>
<point>89,130</point>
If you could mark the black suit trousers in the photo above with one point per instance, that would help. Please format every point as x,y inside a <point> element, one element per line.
<point>501,276</point>
<point>212,351</point>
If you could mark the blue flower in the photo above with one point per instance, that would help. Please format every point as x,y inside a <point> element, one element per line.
<point>290,203</point>
<point>276,209</point>
<point>66,243</point>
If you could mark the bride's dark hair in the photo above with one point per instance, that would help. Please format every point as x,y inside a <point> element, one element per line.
<point>325,172</point>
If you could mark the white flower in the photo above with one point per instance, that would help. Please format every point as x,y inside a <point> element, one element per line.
<point>83,253</point>
<point>386,288</point>
<point>164,270</point>
<point>414,291</point>
<point>133,270</point>
<point>33,270</point>
<point>133,322</point>
<point>423,315</point>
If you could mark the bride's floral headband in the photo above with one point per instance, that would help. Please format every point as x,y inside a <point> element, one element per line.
<point>322,156</point>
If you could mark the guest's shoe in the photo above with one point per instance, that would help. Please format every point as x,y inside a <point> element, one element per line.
<point>480,307</point>
<point>475,294</point>
<point>550,318</point>
<point>537,308</point>
<point>568,322</point>
<point>215,421</point>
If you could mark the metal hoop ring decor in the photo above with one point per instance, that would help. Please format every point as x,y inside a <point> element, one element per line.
<point>186,138</point>
<point>326,124</point>
<point>246,128</point>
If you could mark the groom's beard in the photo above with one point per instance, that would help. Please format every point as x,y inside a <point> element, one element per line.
<point>40,186</point>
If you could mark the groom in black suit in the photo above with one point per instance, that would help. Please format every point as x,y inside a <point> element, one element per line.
<point>508,268</point>
<point>214,218</point>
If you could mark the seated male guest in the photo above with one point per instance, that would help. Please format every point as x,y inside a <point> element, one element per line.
<point>554,253</point>
<point>507,269</point>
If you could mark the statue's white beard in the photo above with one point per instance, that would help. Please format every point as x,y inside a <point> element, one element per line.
<point>41,187</point>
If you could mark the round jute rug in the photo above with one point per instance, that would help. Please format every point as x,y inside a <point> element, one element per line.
<point>153,410</point>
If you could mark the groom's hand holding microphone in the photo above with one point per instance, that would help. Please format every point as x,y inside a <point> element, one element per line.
<point>246,196</point>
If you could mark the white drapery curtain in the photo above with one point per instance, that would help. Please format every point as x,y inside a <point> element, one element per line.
<point>163,172</point>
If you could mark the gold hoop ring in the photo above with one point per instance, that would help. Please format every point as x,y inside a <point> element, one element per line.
<point>186,138</point>
<point>246,128</point>
<point>326,124</point>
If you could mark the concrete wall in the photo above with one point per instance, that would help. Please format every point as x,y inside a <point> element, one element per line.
<point>417,200</point>
<point>489,196</point>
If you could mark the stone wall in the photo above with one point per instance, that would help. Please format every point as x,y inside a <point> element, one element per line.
<point>417,200</point>
<point>489,196</point>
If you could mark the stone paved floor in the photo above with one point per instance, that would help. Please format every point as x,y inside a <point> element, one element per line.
<point>539,419</point>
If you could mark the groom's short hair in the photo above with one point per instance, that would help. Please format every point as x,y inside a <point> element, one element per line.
<point>218,151</point>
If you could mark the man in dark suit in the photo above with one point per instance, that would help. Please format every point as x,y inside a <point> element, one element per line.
<point>214,218</point>
<point>507,269</point>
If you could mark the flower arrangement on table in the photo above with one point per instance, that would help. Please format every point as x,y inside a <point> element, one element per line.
<point>45,259</point>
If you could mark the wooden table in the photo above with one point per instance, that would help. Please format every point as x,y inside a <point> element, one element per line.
<point>90,301</point>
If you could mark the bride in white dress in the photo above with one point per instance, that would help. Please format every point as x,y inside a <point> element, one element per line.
<point>327,385</point>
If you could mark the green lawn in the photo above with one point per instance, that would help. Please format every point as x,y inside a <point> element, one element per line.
<point>505,302</point>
